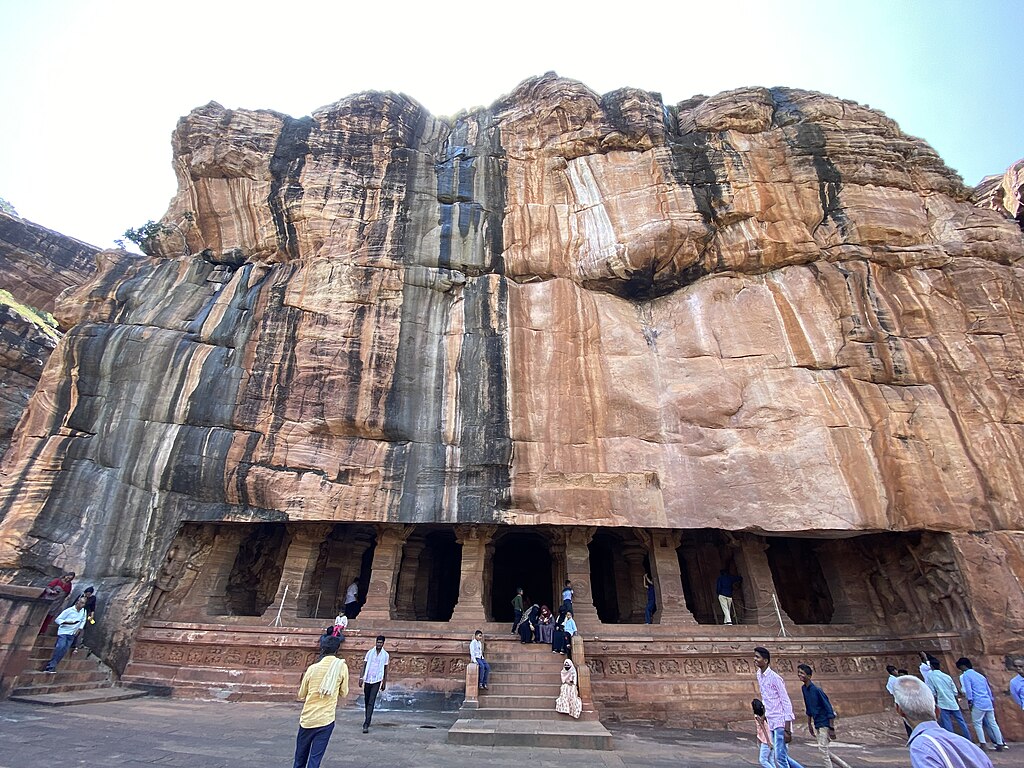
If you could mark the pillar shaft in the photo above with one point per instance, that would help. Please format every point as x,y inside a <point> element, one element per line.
<point>759,586</point>
<point>668,582</point>
<point>470,611</point>
<point>293,590</point>
<point>387,558</point>
<point>577,569</point>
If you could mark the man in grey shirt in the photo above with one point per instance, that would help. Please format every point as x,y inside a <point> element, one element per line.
<point>930,745</point>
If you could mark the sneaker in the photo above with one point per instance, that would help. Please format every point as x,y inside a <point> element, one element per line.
<point>50,671</point>
<point>999,747</point>
<point>366,729</point>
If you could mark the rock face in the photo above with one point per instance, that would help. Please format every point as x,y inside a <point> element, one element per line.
<point>1004,193</point>
<point>766,310</point>
<point>36,266</point>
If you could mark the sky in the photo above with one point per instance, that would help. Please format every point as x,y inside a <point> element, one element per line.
<point>92,89</point>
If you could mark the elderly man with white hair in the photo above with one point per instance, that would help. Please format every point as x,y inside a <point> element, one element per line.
<point>932,746</point>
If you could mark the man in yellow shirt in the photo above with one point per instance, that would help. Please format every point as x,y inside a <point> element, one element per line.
<point>322,683</point>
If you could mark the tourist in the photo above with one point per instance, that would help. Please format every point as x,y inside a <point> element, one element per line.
<point>1017,683</point>
<point>340,623</point>
<point>652,605</point>
<point>932,746</point>
<point>56,592</point>
<point>476,656</point>
<point>322,684</point>
<point>570,631</point>
<point>567,594</point>
<point>569,701</point>
<point>778,708</point>
<point>545,625</point>
<point>517,609</point>
<point>89,593</point>
<point>374,678</point>
<point>766,753</point>
<point>724,586</point>
<point>69,621</point>
<point>820,716</point>
<point>946,695</point>
<point>981,703</point>
<point>352,599</point>
<point>558,634</point>
<point>926,664</point>
<point>527,626</point>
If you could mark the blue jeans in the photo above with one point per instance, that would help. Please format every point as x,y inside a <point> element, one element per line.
<point>310,745</point>
<point>516,616</point>
<point>765,757</point>
<point>782,758</point>
<point>649,614</point>
<point>949,716</point>
<point>63,645</point>
<point>484,671</point>
<point>985,720</point>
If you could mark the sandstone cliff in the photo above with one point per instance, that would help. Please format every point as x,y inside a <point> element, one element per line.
<point>36,266</point>
<point>767,309</point>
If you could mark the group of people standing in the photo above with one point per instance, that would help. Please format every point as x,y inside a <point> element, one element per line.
<point>70,621</point>
<point>946,698</point>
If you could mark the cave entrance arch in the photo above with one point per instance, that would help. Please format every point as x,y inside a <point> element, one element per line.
<point>256,572</point>
<point>521,559</point>
<point>618,562</point>
<point>803,591</point>
<point>428,579</point>
<point>345,554</point>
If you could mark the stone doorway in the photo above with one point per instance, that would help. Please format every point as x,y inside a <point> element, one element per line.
<point>618,562</point>
<point>256,572</point>
<point>803,592</point>
<point>428,581</point>
<point>703,554</point>
<point>520,559</point>
<point>346,554</point>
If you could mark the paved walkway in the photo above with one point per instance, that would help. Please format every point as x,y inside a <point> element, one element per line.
<point>190,734</point>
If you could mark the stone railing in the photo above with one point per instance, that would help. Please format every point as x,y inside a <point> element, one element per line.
<point>472,688</point>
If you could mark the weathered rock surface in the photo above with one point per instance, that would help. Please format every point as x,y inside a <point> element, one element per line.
<point>36,266</point>
<point>767,309</point>
<point>1004,193</point>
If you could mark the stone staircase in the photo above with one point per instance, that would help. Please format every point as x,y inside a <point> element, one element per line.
<point>80,678</point>
<point>519,707</point>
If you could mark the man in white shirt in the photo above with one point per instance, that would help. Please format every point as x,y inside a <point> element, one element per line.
<point>69,622</point>
<point>374,678</point>
<point>352,599</point>
<point>476,656</point>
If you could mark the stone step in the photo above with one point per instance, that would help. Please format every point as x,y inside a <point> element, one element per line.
<point>62,675</point>
<point>555,734</point>
<point>550,664</point>
<point>85,696</point>
<point>547,713</point>
<point>56,686</point>
<point>517,701</point>
<point>503,688</point>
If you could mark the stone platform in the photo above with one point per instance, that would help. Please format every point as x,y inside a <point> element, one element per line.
<point>638,672</point>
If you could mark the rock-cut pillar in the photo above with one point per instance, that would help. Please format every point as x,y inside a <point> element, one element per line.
<point>292,598</point>
<point>759,590</point>
<point>577,570</point>
<point>387,559</point>
<point>470,611</point>
<point>668,581</point>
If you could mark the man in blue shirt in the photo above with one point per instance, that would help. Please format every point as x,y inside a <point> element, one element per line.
<point>820,716</point>
<point>724,586</point>
<point>981,702</point>
<point>932,746</point>
<point>1017,683</point>
<point>944,690</point>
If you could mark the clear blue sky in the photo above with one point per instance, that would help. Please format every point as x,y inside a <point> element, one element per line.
<point>91,90</point>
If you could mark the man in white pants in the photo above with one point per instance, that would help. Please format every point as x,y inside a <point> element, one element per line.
<point>724,586</point>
